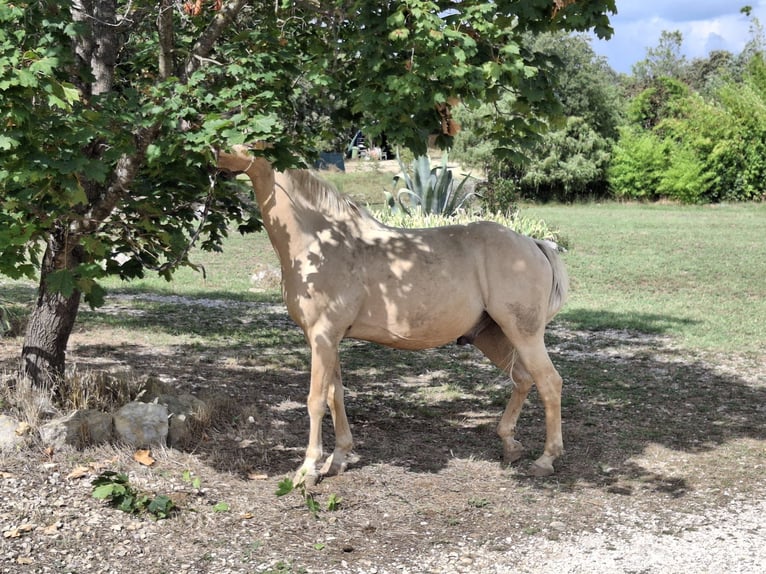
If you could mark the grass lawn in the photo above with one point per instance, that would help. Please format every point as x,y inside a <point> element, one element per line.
<point>695,273</point>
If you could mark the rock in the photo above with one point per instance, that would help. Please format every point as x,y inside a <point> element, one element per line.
<point>79,428</point>
<point>9,438</point>
<point>142,424</point>
<point>182,408</point>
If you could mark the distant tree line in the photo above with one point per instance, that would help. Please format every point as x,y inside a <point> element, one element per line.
<point>690,131</point>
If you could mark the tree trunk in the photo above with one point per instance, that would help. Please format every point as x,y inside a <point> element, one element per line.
<point>50,324</point>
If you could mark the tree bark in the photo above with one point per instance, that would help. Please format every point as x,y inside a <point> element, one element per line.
<point>43,354</point>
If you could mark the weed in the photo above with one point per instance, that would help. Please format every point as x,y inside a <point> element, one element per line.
<point>115,488</point>
<point>333,502</point>
<point>193,481</point>
<point>478,502</point>
<point>285,568</point>
<point>221,507</point>
<point>287,486</point>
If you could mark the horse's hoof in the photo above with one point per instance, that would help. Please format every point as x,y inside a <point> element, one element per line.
<point>540,469</point>
<point>512,452</point>
<point>331,468</point>
<point>305,478</point>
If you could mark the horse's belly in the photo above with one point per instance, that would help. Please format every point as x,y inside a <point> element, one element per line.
<point>418,329</point>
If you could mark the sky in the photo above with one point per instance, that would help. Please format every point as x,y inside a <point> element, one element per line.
<point>705,25</point>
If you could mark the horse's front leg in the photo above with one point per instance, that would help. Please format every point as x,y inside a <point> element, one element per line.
<point>325,388</point>
<point>337,461</point>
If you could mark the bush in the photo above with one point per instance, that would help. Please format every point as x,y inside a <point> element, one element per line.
<point>638,161</point>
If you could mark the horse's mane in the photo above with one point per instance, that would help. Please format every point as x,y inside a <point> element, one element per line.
<point>323,196</point>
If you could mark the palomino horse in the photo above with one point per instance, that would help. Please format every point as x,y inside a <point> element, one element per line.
<point>344,274</point>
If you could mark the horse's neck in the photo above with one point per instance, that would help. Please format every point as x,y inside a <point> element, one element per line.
<point>279,220</point>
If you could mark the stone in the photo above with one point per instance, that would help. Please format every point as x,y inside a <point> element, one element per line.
<point>182,409</point>
<point>9,438</point>
<point>142,424</point>
<point>79,429</point>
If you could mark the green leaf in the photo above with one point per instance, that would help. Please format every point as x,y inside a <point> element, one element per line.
<point>284,487</point>
<point>161,506</point>
<point>312,504</point>
<point>221,507</point>
<point>333,502</point>
<point>8,143</point>
<point>61,281</point>
<point>107,491</point>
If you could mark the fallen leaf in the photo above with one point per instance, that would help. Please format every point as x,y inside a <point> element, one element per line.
<point>52,529</point>
<point>143,456</point>
<point>79,472</point>
<point>17,532</point>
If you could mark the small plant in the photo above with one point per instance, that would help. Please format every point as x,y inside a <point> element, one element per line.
<point>115,488</point>
<point>221,507</point>
<point>333,502</point>
<point>477,502</point>
<point>193,481</point>
<point>285,568</point>
<point>287,486</point>
<point>429,190</point>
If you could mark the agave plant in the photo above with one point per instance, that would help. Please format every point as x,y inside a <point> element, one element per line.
<point>432,190</point>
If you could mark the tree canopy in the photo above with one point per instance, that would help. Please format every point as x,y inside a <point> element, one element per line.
<point>110,110</point>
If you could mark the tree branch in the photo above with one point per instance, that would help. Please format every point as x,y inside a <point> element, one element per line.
<point>122,179</point>
<point>207,40</point>
<point>167,39</point>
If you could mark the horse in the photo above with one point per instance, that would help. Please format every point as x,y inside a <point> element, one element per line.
<point>345,274</point>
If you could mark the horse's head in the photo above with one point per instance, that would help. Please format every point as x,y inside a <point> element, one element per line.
<point>240,159</point>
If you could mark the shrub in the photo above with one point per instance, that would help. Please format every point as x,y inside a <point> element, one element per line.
<point>638,162</point>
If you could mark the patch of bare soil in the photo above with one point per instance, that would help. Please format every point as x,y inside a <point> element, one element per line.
<point>664,468</point>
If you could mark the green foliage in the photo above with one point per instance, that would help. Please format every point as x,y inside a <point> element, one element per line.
<point>286,486</point>
<point>566,160</point>
<point>221,507</point>
<point>638,161</point>
<point>285,568</point>
<point>498,195</point>
<point>333,502</point>
<point>692,149</point>
<point>127,172</point>
<point>429,190</point>
<point>662,61</point>
<point>658,101</point>
<point>110,111</point>
<point>189,478</point>
<point>115,488</point>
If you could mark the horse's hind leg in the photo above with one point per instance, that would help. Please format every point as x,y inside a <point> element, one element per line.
<point>537,363</point>
<point>498,349</point>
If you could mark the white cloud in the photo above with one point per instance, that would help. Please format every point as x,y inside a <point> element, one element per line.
<point>705,26</point>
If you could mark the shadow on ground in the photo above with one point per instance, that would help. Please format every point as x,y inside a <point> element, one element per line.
<point>624,392</point>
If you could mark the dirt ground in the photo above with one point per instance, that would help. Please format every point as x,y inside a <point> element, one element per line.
<point>663,471</point>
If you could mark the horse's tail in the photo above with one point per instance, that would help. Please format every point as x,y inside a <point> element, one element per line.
<point>560,286</point>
